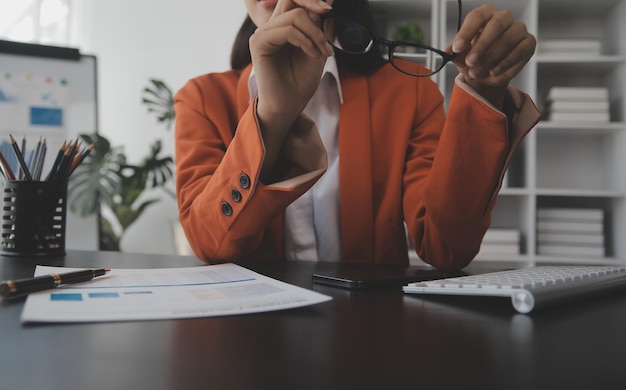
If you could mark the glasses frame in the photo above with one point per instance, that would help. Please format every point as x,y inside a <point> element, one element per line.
<point>392,45</point>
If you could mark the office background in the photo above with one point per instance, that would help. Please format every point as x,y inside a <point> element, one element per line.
<point>138,40</point>
<point>559,164</point>
<point>135,41</point>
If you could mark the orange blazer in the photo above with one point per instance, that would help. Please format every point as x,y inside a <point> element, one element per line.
<point>400,161</point>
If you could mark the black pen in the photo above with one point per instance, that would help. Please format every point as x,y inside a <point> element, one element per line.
<point>11,288</point>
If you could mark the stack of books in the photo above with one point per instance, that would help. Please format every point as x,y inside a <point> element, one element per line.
<point>499,241</point>
<point>585,104</point>
<point>571,232</point>
<point>583,46</point>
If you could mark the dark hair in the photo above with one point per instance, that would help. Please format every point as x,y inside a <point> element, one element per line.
<point>240,53</point>
<point>357,10</point>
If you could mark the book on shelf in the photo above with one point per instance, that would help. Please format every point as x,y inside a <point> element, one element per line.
<point>579,105</point>
<point>500,241</point>
<point>501,235</point>
<point>586,46</point>
<point>570,214</point>
<point>499,249</point>
<point>557,116</point>
<point>566,93</point>
<point>563,231</point>
<point>570,250</point>
<point>569,226</point>
<point>549,238</point>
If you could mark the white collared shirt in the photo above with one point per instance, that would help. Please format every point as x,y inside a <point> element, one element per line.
<point>312,222</point>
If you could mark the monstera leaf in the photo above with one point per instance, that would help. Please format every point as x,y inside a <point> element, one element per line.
<point>96,180</point>
<point>105,181</point>
<point>160,101</point>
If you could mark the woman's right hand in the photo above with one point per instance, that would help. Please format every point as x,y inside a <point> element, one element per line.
<point>288,52</point>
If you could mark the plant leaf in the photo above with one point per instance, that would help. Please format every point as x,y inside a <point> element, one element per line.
<point>96,179</point>
<point>159,99</point>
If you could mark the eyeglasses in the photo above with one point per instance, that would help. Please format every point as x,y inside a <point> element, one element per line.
<point>411,58</point>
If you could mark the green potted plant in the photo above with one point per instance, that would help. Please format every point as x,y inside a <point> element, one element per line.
<point>409,31</point>
<point>107,185</point>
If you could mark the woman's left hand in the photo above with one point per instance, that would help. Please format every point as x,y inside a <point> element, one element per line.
<point>492,48</point>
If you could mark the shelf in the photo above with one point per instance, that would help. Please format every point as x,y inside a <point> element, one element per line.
<point>581,63</point>
<point>546,260</point>
<point>514,191</point>
<point>548,128</point>
<point>582,193</point>
<point>503,258</point>
<point>576,8</point>
<point>559,164</point>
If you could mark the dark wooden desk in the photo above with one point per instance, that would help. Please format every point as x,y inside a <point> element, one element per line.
<point>361,340</point>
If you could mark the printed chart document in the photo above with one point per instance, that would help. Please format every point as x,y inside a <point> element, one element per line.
<point>164,293</point>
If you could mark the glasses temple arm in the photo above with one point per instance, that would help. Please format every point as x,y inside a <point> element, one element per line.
<point>458,24</point>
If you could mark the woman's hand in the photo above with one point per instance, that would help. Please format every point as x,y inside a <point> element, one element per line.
<point>288,52</point>
<point>492,49</point>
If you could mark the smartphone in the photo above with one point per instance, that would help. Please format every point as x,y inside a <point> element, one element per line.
<point>358,277</point>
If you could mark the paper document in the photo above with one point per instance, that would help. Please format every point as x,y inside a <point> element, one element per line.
<point>164,293</point>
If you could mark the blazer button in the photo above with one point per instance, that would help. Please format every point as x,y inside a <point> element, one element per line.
<point>236,195</point>
<point>244,181</point>
<point>227,209</point>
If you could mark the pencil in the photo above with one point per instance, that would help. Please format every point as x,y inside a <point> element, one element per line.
<point>66,162</point>
<point>32,157</point>
<point>6,168</point>
<point>23,151</point>
<point>57,161</point>
<point>40,160</point>
<point>81,157</point>
<point>20,158</point>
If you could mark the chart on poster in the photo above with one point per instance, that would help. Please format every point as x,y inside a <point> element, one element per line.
<point>49,92</point>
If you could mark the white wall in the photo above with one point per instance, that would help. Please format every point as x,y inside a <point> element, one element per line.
<point>135,40</point>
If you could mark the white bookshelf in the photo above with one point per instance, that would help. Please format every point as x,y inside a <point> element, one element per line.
<point>560,164</point>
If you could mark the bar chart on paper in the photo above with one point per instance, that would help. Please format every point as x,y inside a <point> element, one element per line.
<point>165,293</point>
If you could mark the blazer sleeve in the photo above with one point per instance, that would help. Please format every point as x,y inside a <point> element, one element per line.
<point>223,207</point>
<point>459,191</point>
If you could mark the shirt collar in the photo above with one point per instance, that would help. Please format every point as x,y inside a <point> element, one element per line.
<point>330,68</point>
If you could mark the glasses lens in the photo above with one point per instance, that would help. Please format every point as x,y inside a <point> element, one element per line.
<point>415,60</point>
<point>347,36</point>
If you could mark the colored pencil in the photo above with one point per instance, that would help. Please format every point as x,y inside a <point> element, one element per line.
<point>40,160</point>
<point>20,158</point>
<point>81,157</point>
<point>6,168</point>
<point>57,161</point>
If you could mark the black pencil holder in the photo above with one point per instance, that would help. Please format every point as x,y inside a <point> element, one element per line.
<point>33,218</point>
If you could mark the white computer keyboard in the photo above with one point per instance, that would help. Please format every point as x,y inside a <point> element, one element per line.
<point>529,288</point>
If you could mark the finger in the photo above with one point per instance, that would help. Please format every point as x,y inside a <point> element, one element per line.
<point>471,26</point>
<point>510,73</point>
<point>296,38</point>
<point>308,35</point>
<point>313,9</point>
<point>502,51</point>
<point>492,33</point>
<point>481,28</point>
<point>508,69</point>
<point>309,25</point>
<point>519,55</point>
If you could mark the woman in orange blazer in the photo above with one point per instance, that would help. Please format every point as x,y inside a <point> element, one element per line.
<point>245,150</point>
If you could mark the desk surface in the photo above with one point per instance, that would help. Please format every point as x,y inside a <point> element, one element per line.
<point>379,339</point>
